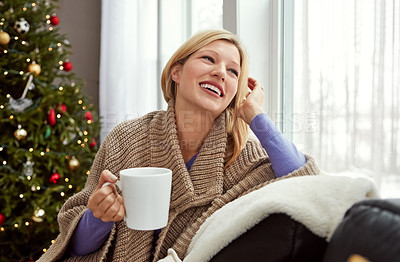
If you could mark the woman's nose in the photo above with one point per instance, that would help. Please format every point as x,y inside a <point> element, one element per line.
<point>219,71</point>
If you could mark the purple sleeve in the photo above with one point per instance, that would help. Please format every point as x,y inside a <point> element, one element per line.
<point>284,156</point>
<point>89,235</point>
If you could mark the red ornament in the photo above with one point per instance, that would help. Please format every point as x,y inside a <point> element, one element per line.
<point>67,66</point>
<point>51,117</point>
<point>55,178</point>
<point>93,143</point>
<point>54,20</point>
<point>89,116</point>
<point>2,219</point>
<point>62,108</point>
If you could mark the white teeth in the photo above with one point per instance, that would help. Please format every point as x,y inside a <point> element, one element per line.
<point>212,88</point>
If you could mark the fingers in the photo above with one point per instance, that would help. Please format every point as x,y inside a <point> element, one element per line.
<point>105,202</point>
<point>110,209</point>
<point>255,92</point>
<point>106,176</point>
<point>98,196</point>
<point>121,212</point>
<point>254,84</point>
<point>252,104</point>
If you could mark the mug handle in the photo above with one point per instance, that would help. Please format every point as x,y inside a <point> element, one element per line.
<point>118,183</point>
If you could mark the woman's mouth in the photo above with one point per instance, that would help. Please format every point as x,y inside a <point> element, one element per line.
<point>212,88</point>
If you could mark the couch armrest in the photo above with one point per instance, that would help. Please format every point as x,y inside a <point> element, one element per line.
<point>370,228</point>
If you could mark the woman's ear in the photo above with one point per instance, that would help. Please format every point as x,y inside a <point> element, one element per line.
<point>176,73</point>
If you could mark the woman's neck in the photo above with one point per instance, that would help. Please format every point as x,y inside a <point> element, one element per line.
<point>192,127</point>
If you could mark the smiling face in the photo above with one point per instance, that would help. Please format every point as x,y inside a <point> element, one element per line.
<point>208,80</point>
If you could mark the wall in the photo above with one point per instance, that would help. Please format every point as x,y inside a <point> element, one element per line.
<point>81,22</point>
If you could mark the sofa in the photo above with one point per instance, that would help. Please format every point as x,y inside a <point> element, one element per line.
<point>369,229</point>
<point>312,218</point>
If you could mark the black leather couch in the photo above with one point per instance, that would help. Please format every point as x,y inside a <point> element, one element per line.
<point>370,228</point>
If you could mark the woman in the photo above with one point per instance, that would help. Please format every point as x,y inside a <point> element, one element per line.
<point>202,138</point>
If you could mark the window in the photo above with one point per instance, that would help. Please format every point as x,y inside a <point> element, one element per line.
<point>178,20</point>
<point>206,14</point>
<point>344,93</point>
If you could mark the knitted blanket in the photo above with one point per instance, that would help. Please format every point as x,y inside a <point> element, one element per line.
<point>318,202</point>
<point>197,193</point>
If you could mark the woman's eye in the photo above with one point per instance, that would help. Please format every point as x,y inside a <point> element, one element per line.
<point>234,72</point>
<point>209,58</point>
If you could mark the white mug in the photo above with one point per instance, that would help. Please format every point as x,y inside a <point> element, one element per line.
<point>146,192</point>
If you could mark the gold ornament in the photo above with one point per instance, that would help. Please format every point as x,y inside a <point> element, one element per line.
<point>73,163</point>
<point>35,69</point>
<point>4,38</point>
<point>20,133</point>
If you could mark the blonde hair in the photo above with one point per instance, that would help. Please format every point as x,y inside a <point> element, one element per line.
<point>236,128</point>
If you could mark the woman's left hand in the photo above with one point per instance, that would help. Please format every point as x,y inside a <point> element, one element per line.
<point>251,106</point>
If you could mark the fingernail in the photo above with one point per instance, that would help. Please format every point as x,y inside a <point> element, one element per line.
<point>113,178</point>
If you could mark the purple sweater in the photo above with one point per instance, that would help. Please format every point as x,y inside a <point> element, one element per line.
<point>92,232</point>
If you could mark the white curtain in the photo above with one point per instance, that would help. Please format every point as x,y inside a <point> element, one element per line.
<point>346,87</point>
<point>128,63</point>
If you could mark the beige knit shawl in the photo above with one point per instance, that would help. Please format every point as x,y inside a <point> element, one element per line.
<point>152,141</point>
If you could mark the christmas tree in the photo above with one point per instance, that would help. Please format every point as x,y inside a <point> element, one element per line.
<point>48,129</point>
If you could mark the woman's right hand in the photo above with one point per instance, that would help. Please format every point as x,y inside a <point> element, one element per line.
<point>105,202</point>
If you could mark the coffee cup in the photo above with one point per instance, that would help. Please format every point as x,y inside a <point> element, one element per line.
<point>146,192</point>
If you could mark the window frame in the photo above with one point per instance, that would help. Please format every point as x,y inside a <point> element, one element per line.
<point>247,18</point>
<point>287,65</point>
